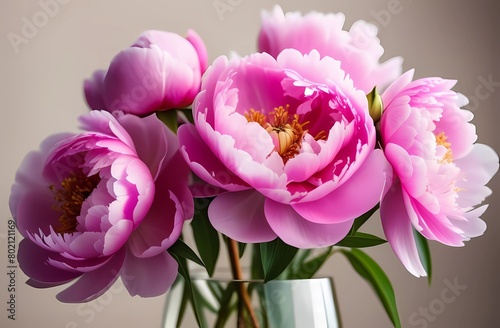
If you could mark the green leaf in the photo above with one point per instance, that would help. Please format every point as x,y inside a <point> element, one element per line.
<point>184,301</point>
<point>256,271</point>
<point>362,219</point>
<point>184,271</point>
<point>307,269</point>
<point>299,259</point>
<point>169,118</point>
<point>241,249</point>
<point>424,253</point>
<point>181,249</point>
<point>275,256</point>
<point>360,240</point>
<point>225,308</point>
<point>373,273</point>
<point>206,238</point>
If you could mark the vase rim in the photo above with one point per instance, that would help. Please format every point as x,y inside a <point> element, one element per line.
<point>224,275</point>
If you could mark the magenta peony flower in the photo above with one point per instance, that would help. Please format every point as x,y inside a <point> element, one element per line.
<point>160,71</point>
<point>358,50</point>
<point>440,172</point>
<point>291,143</point>
<point>99,205</point>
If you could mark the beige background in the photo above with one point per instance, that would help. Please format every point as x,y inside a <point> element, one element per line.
<point>41,93</point>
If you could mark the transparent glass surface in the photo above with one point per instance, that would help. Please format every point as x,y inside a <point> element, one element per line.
<point>299,303</point>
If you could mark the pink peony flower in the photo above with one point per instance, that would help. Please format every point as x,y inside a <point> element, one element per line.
<point>440,172</point>
<point>160,71</point>
<point>358,50</point>
<point>102,204</point>
<point>291,143</point>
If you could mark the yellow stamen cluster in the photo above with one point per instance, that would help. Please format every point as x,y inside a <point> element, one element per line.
<point>289,134</point>
<point>442,140</point>
<point>75,189</point>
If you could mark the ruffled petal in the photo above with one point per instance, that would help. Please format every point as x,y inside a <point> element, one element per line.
<point>473,226</point>
<point>134,190</point>
<point>358,49</point>
<point>204,163</point>
<point>33,260</point>
<point>479,166</point>
<point>30,196</point>
<point>93,284</point>
<point>161,227</point>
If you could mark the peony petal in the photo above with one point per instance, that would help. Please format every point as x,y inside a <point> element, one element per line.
<point>149,277</point>
<point>480,166</point>
<point>411,170</point>
<point>161,227</point>
<point>200,48</point>
<point>354,197</point>
<point>296,231</point>
<point>93,284</point>
<point>394,90</point>
<point>177,185</point>
<point>473,226</point>
<point>138,89</point>
<point>153,80</point>
<point>28,206</point>
<point>134,190</point>
<point>240,216</point>
<point>203,162</point>
<point>399,230</point>
<point>33,260</point>
<point>93,88</point>
<point>145,132</point>
<point>117,236</point>
<point>358,49</point>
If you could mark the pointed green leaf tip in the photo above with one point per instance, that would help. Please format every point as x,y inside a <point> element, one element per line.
<point>424,253</point>
<point>275,257</point>
<point>375,106</point>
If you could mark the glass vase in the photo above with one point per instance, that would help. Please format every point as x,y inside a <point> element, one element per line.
<point>279,303</point>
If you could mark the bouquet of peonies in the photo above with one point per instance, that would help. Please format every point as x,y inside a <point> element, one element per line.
<point>289,149</point>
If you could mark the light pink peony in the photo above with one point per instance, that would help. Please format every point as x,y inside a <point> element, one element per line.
<point>291,143</point>
<point>358,50</point>
<point>102,204</point>
<point>440,173</point>
<point>160,71</point>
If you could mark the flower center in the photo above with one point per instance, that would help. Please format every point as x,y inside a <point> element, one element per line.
<point>287,134</point>
<point>442,140</point>
<point>75,189</point>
